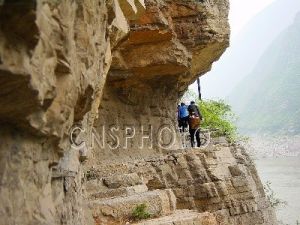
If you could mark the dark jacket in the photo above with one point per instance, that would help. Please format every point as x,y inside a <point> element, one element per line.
<point>194,109</point>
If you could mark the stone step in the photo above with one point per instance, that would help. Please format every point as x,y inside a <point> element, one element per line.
<point>158,203</point>
<point>182,217</point>
<point>116,186</point>
<point>119,192</point>
<point>124,180</point>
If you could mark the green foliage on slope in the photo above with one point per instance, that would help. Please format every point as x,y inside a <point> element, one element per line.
<point>268,100</point>
<point>218,115</point>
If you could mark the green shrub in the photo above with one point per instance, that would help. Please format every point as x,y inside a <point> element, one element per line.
<point>140,212</point>
<point>218,115</point>
<point>273,199</point>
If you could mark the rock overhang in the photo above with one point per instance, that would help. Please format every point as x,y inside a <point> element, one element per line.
<point>178,39</point>
<point>63,61</point>
<point>94,62</point>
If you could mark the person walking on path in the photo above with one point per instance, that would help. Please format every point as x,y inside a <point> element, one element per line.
<point>193,108</point>
<point>195,118</point>
<point>184,117</point>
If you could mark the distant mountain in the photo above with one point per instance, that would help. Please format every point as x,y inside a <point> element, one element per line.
<point>268,99</point>
<point>240,59</point>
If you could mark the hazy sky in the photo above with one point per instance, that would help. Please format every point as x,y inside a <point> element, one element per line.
<point>241,11</point>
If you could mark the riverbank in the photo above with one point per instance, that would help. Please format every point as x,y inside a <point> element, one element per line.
<point>284,175</point>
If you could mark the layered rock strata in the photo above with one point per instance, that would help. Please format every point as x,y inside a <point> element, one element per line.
<point>219,184</point>
<point>94,64</point>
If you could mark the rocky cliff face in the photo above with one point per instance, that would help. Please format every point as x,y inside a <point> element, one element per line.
<point>219,185</point>
<point>98,64</point>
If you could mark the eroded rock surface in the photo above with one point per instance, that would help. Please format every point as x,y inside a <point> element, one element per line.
<point>220,180</point>
<point>166,49</point>
<point>99,63</point>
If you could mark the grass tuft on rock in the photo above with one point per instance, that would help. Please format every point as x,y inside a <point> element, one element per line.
<point>140,212</point>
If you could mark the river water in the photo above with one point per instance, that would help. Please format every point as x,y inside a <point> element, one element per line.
<point>284,175</point>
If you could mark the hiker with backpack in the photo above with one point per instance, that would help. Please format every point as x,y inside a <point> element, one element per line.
<point>195,118</point>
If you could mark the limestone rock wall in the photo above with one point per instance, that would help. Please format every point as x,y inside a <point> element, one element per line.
<point>167,47</point>
<point>92,63</point>
<point>220,180</point>
<point>54,59</point>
